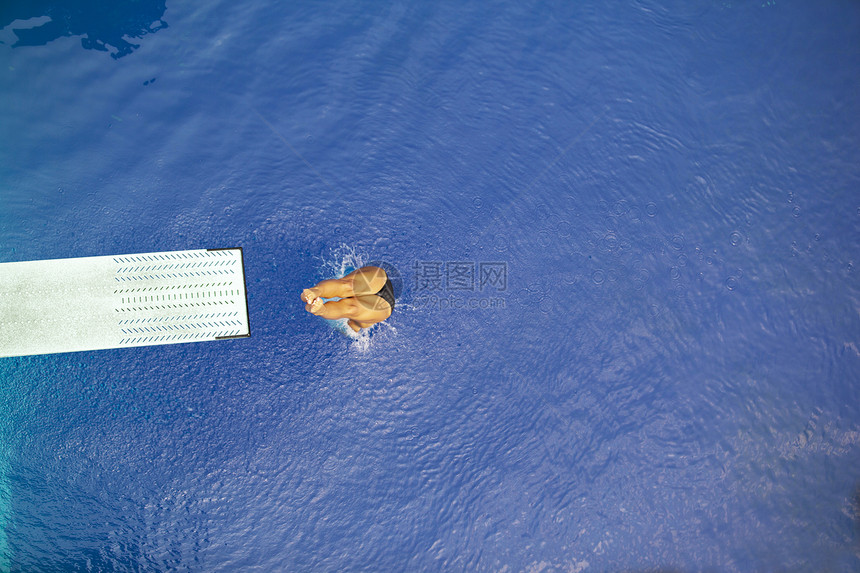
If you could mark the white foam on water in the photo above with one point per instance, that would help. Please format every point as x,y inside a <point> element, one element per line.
<point>341,261</point>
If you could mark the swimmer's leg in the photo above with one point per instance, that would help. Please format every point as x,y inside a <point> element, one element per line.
<point>330,288</point>
<point>366,280</point>
<point>334,309</point>
<point>367,309</point>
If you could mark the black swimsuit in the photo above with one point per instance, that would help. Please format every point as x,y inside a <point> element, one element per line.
<point>386,293</point>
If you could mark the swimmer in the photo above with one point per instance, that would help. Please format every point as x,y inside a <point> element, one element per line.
<point>366,297</point>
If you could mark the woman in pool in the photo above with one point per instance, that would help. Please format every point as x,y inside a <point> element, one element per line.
<point>366,297</point>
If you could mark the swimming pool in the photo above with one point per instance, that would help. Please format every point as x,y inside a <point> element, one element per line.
<point>627,338</point>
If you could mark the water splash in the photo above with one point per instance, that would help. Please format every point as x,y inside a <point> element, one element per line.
<point>341,261</point>
<point>360,340</point>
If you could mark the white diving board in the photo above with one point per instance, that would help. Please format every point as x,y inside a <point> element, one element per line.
<point>94,303</point>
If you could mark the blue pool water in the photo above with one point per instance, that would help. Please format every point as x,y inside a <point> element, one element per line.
<point>628,334</point>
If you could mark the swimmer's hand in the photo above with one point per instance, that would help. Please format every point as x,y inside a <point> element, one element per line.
<point>308,295</point>
<point>315,307</point>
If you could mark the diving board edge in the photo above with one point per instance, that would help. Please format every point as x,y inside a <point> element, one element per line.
<point>244,288</point>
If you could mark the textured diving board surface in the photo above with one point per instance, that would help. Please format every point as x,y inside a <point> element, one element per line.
<point>91,303</point>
